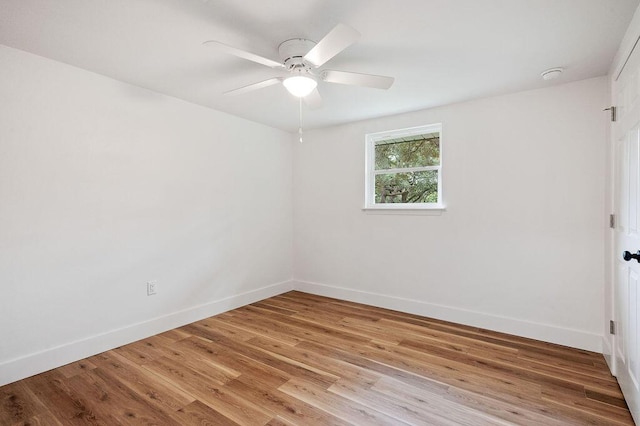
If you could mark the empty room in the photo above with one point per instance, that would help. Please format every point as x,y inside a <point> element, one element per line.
<point>319,212</point>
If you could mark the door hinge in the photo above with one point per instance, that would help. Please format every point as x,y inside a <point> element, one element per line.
<point>612,327</point>
<point>613,112</point>
<point>612,221</point>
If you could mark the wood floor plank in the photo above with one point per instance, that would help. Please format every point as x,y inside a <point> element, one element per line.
<point>69,407</point>
<point>18,405</point>
<point>42,419</point>
<point>329,365</point>
<point>280,422</point>
<point>349,411</point>
<point>577,401</point>
<point>226,329</point>
<point>517,367</point>
<point>437,404</point>
<point>259,325</point>
<point>198,413</point>
<point>173,335</point>
<point>508,410</point>
<point>221,356</point>
<point>109,399</point>
<point>75,368</point>
<point>270,306</point>
<point>284,406</point>
<point>141,381</point>
<point>142,351</point>
<point>303,359</point>
<point>210,392</point>
<point>617,400</point>
<point>287,366</point>
<point>401,410</point>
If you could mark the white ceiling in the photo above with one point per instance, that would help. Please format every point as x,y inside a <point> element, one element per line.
<point>439,51</point>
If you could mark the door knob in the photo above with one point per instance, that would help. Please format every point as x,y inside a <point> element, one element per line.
<point>628,256</point>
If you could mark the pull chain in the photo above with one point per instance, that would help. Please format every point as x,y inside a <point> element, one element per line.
<point>300,128</point>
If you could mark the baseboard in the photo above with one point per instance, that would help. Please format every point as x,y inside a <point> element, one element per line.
<point>545,332</point>
<point>20,368</point>
<point>607,351</point>
<point>39,362</point>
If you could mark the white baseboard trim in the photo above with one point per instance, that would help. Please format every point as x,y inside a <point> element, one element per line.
<point>607,351</point>
<point>26,366</point>
<point>545,332</point>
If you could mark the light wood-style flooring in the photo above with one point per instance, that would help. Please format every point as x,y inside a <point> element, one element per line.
<point>299,359</point>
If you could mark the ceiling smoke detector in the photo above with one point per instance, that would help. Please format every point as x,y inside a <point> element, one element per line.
<point>551,73</point>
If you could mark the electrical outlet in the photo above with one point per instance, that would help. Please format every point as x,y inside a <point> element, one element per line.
<point>152,288</point>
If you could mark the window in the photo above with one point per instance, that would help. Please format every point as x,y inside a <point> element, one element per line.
<point>404,169</point>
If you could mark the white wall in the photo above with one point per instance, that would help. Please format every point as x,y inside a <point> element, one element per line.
<point>104,186</point>
<point>520,246</point>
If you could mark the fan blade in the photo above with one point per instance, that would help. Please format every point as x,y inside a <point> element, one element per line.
<point>357,79</point>
<point>254,86</point>
<point>313,99</point>
<point>243,54</point>
<point>338,39</point>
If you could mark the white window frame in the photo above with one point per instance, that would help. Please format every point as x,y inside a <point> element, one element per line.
<point>371,140</point>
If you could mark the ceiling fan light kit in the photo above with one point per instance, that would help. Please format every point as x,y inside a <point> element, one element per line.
<point>300,85</point>
<point>301,82</point>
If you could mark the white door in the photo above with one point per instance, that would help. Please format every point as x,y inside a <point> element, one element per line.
<point>626,137</point>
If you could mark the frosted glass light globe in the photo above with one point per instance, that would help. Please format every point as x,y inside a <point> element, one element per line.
<point>300,85</point>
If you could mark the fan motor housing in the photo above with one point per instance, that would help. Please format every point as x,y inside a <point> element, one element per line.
<point>292,52</point>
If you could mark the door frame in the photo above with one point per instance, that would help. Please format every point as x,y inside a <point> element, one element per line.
<point>630,41</point>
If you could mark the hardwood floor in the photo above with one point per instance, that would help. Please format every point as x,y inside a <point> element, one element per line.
<point>299,359</point>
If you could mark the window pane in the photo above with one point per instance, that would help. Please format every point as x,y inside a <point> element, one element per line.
<point>410,151</point>
<point>414,187</point>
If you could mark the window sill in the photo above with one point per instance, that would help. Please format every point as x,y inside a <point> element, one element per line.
<point>434,210</point>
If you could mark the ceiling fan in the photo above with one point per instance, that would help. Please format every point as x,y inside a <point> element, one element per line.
<point>301,57</point>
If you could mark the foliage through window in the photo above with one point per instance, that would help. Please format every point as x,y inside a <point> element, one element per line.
<point>404,168</point>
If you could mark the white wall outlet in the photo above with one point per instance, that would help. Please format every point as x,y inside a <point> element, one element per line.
<point>152,287</point>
